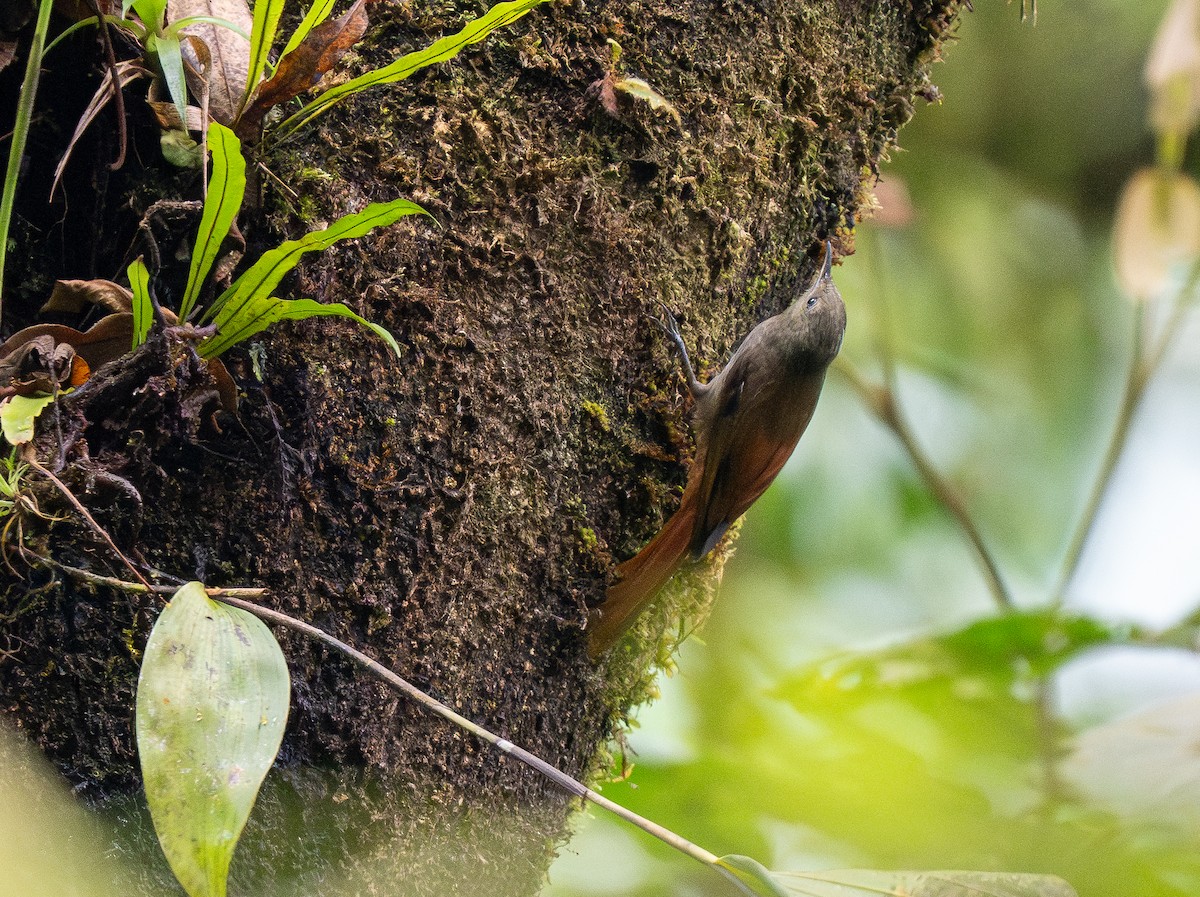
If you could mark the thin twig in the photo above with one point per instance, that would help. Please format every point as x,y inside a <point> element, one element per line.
<point>882,401</point>
<point>118,94</point>
<point>1140,370</point>
<point>1047,742</point>
<point>96,527</point>
<point>564,781</point>
<point>113,582</point>
<point>237,598</point>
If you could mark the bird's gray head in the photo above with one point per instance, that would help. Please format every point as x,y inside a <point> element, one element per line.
<point>820,316</point>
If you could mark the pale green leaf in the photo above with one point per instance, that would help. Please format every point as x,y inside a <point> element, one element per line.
<point>751,876</point>
<point>636,87</point>
<point>179,24</point>
<point>225,192</point>
<point>180,149</point>
<point>212,702</point>
<point>318,12</point>
<point>499,16</point>
<point>143,308</point>
<point>259,314</point>
<point>17,415</point>
<point>260,279</point>
<point>151,12</point>
<point>170,61</point>
<point>875,883</point>
<point>262,36</point>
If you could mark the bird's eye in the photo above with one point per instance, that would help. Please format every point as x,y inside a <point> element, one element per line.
<point>812,301</point>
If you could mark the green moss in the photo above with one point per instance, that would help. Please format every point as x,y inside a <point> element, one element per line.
<point>587,536</point>
<point>596,411</point>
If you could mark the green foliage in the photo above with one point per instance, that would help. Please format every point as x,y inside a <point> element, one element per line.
<point>499,16</point>
<point>18,414</point>
<point>10,482</point>
<point>236,322</point>
<point>143,306</point>
<point>212,702</point>
<point>226,188</point>
<point>262,36</point>
<point>247,307</point>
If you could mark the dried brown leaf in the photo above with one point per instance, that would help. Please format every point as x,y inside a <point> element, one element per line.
<point>107,340</point>
<point>8,52</point>
<point>72,296</point>
<point>127,72</point>
<point>226,76</point>
<point>301,69</point>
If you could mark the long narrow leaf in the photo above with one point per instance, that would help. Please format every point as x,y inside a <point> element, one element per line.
<point>317,13</point>
<point>143,308</point>
<point>16,149</point>
<point>876,883</point>
<point>170,59</point>
<point>499,16</point>
<point>259,314</point>
<point>260,279</point>
<point>262,36</point>
<point>225,192</point>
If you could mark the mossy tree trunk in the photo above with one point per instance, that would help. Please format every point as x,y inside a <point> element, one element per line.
<point>456,512</point>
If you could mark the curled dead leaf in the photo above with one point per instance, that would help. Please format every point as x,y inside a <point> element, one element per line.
<point>40,366</point>
<point>225,76</point>
<point>73,296</point>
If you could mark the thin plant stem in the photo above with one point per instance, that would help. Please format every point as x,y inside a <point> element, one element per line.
<point>1141,368</point>
<point>16,149</point>
<point>238,598</point>
<point>564,781</point>
<point>1047,743</point>
<point>96,527</point>
<point>882,401</point>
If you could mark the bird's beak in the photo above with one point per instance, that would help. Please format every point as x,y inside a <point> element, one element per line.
<point>825,272</point>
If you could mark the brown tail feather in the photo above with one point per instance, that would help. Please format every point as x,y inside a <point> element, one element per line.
<point>640,578</point>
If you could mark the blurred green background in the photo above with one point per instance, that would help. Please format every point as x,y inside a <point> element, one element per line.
<point>856,700</point>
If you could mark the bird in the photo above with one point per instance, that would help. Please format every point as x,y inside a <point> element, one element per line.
<point>747,420</point>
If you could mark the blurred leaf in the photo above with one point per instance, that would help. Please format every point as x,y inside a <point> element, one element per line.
<point>997,650</point>
<point>499,16</point>
<point>50,845</point>
<point>221,205</point>
<point>1146,765</point>
<point>871,883</point>
<point>752,875</point>
<point>143,307</point>
<point>212,702</point>
<point>180,149</point>
<point>1173,70</point>
<point>1156,232</point>
<point>18,414</point>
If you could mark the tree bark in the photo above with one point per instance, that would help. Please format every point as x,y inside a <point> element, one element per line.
<point>456,512</point>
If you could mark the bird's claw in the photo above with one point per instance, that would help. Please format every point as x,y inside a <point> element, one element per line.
<point>670,326</point>
<point>666,321</point>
